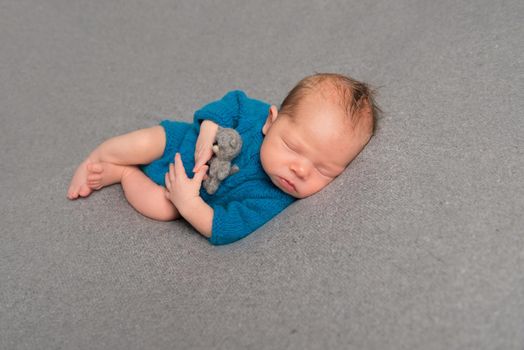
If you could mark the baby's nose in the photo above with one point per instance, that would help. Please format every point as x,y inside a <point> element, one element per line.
<point>300,170</point>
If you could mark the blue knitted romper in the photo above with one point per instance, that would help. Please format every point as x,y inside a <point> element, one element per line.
<point>245,200</point>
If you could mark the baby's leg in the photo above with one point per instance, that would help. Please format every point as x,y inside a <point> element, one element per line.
<point>142,193</point>
<point>147,197</point>
<point>137,147</point>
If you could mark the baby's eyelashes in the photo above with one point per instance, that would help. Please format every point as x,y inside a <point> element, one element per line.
<point>288,146</point>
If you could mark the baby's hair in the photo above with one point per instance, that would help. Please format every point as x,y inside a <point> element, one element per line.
<point>356,98</point>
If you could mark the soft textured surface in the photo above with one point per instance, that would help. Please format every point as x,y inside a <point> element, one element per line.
<point>418,245</point>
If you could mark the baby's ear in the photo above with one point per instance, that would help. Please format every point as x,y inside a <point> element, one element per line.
<point>271,117</point>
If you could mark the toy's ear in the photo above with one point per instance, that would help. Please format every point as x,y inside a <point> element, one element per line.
<point>271,117</point>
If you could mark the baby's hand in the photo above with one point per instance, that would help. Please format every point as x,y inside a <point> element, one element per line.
<point>180,189</point>
<point>204,144</point>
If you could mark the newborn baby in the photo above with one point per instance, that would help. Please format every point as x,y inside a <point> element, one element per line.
<point>287,154</point>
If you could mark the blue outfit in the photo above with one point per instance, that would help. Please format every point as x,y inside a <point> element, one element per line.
<point>245,200</point>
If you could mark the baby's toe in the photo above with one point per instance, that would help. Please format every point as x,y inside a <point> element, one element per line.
<point>94,185</point>
<point>84,191</point>
<point>95,168</point>
<point>94,177</point>
<point>72,194</point>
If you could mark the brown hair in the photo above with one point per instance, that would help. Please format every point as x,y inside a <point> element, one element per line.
<point>356,98</point>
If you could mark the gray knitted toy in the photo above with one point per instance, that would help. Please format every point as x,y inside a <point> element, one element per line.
<point>227,146</point>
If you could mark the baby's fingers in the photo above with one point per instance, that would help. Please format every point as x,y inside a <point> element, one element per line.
<point>180,172</point>
<point>172,172</point>
<point>198,165</point>
<point>168,182</point>
<point>201,158</point>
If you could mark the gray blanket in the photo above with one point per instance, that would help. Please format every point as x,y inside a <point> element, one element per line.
<point>418,245</point>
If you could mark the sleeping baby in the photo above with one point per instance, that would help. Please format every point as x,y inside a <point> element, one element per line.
<point>287,154</point>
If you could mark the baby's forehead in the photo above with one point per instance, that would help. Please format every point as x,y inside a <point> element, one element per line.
<point>327,94</point>
<point>319,109</point>
<point>329,144</point>
<point>323,127</point>
<point>326,121</point>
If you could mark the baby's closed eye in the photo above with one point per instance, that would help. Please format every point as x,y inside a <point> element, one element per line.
<point>286,145</point>
<point>324,172</point>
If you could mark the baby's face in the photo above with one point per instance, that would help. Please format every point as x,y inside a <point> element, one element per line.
<point>303,154</point>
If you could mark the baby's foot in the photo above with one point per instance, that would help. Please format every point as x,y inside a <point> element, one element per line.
<point>103,174</point>
<point>78,186</point>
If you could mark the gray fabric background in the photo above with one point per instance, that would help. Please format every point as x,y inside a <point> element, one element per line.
<point>418,245</point>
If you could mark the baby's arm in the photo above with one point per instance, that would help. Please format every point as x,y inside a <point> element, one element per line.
<point>204,144</point>
<point>199,215</point>
<point>184,193</point>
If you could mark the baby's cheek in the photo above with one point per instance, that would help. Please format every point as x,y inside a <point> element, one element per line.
<point>265,158</point>
<point>322,182</point>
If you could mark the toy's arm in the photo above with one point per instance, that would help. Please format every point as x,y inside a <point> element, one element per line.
<point>234,169</point>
